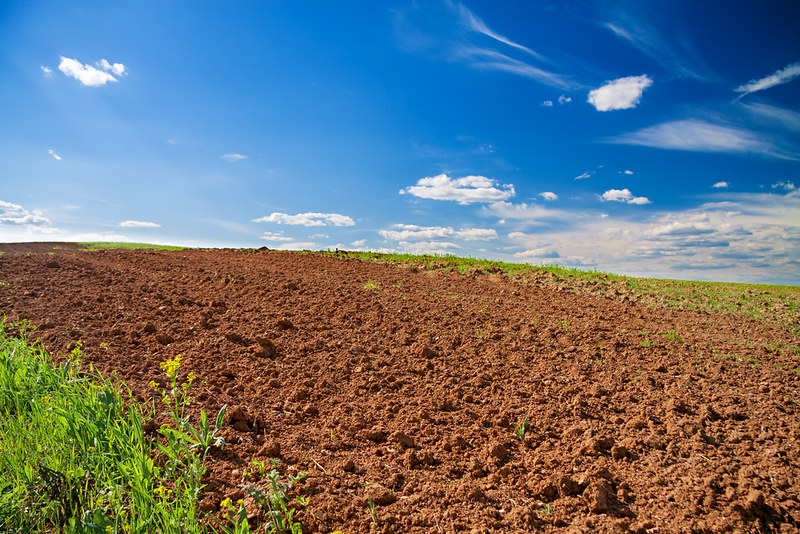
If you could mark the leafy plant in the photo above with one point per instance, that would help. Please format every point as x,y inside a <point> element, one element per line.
<point>371,285</point>
<point>520,430</point>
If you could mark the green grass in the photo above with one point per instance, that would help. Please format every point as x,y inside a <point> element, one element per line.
<point>105,245</point>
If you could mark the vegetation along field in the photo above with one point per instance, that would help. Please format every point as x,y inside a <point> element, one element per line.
<point>378,393</point>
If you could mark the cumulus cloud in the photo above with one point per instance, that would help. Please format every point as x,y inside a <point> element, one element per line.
<point>17,215</point>
<point>464,190</point>
<point>548,195</point>
<point>232,158</point>
<point>625,196</point>
<point>116,68</point>
<point>89,75</point>
<point>52,153</point>
<point>547,104</point>
<point>563,99</point>
<point>405,232</point>
<point>700,136</point>
<point>139,224</point>
<point>784,75</point>
<point>720,185</point>
<point>622,93</point>
<point>628,172</point>
<point>359,243</point>
<point>308,219</point>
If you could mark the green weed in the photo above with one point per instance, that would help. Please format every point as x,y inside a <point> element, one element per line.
<point>520,430</point>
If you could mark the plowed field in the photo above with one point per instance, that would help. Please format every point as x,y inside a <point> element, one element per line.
<point>403,386</point>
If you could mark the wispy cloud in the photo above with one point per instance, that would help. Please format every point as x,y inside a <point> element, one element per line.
<point>625,196</point>
<point>622,93</point>
<point>701,136</point>
<point>458,35</point>
<point>275,236</point>
<point>784,75</point>
<point>676,53</point>
<point>786,118</point>
<point>406,232</point>
<point>308,219</point>
<point>233,157</point>
<point>465,190</point>
<point>139,224</point>
<point>89,75</point>
<point>47,71</point>
<point>548,195</point>
<point>529,214</point>
<point>53,153</point>
<point>584,175</point>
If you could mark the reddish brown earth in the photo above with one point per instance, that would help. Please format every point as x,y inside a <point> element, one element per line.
<point>406,393</point>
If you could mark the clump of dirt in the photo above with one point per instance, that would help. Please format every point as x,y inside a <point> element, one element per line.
<point>411,393</point>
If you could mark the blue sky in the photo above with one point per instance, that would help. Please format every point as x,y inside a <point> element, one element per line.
<point>658,139</point>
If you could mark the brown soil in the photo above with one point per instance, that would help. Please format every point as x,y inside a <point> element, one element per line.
<point>406,393</point>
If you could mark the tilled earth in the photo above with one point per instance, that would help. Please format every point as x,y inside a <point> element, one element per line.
<point>403,386</point>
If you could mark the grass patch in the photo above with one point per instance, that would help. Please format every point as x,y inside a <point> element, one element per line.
<point>107,245</point>
<point>74,455</point>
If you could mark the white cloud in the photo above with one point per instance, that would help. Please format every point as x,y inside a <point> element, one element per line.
<point>428,247</point>
<point>622,93</point>
<point>720,185</point>
<point>584,175</point>
<point>116,68</point>
<point>233,157</point>
<point>139,224</point>
<point>547,104</point>
<point>529,213</point>
<point>538,253</point>
<point>548,195</point>
<point>462,190</point>
<point>700,136</point>
<point>784,75</point>
<point>275,236</point>
<point>751,238</point>
<point>52,153</point>
<point>625,196</point>
<point>405,232</point>
<point>628,172</point>
<point>15,214</point>
<point>359,243</point>
<point>787,118</point>
<point>298,245</point>
<point>47,71</point>
<point>88,75</point>
<point>787,186</point>
<point>110,237</point>
<point>563,99</point>
<point>458,35</point>
<point>308,219</point>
